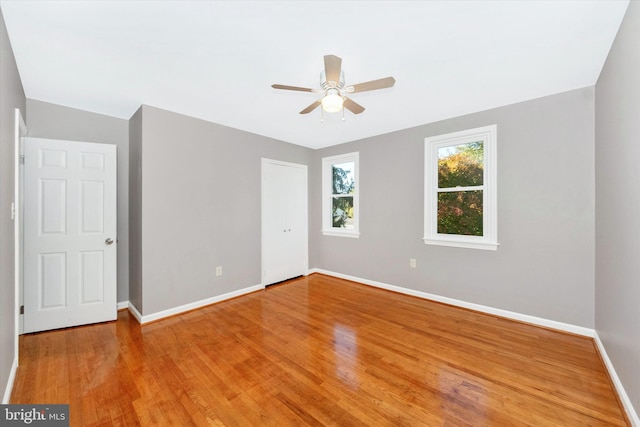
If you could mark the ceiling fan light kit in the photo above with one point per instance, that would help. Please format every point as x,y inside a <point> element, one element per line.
<point>334,91</point>
<point>332,102</point>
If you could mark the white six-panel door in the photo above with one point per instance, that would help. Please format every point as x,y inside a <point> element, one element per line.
<point>284,221</point>
<point>69,234</point>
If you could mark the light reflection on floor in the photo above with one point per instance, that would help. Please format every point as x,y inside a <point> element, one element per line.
<point>456,389</point>
<point>345,344</point>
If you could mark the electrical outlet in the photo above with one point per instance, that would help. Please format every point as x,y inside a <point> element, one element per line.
<point>412,262</point>
<point>219,271</point>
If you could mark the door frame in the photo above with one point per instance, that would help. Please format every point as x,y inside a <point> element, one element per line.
<point>20,131</point>
<point>264,161</point>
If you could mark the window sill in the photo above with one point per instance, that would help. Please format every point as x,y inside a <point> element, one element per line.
<point>488,246</point>
<point>352,234</point>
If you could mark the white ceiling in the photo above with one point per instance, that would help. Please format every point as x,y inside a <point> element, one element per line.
<point>216,60</point>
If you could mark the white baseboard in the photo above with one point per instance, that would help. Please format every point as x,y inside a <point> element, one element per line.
<point>133,310</point>
<point>552,324</point>
<point>123,304</point>
<point>12,377</point>
<point>191,306</point>
<point>624,398</point>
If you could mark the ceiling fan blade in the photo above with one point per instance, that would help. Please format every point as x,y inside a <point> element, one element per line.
<point>373,85</point>
<point>352,106</point>
<point>285,87</point>
<point>332,67</point>
<point>311,107</point>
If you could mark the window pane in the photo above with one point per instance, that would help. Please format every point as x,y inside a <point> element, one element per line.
<point>342,212</point>
<point>342,178</point>
<point>460,212</point>
<point>461,165</point>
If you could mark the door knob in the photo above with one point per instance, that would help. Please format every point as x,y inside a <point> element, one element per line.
<point>109,241</point>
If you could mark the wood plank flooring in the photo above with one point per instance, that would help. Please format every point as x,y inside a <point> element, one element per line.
<point>319,351</point>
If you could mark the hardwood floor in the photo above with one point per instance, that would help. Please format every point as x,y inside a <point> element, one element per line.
<point>319,351</point>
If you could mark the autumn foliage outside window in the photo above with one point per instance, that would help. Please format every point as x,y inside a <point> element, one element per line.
<point>460,173</point>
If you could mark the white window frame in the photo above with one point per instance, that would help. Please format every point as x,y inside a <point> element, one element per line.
<point>327,224</point>
<point>489,239</point>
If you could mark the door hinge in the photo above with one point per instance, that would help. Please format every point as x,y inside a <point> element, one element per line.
<point>22,309</point>
<point>22,159</point>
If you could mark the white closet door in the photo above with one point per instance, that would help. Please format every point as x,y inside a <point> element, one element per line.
<point>297,230</point>
<point>284,221</point>
<point>69,234</point>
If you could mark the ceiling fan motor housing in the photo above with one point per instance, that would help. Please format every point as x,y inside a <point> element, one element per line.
<point>331,84</point>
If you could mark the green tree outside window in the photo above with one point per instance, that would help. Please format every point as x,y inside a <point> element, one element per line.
<point>343,187</point>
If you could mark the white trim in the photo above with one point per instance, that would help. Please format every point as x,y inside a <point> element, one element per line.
<point>341,233</point>
<point>191,306</point>
<point>122,305</point>
<point>466,244</point>
<point>327,196</point>
<point>134,311</point>
<point>20,130</point>
<point>489,239</point>
<point>283,163</point>
<point>12,378</point>
<point>538,321</point>
<point>624,398</point>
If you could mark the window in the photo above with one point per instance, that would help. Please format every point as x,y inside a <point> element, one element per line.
<point>460,189</point>
<point>340,188</point>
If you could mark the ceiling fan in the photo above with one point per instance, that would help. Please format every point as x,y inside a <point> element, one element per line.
<point>334,90</point>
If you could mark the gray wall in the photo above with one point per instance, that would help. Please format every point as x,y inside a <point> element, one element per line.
<point>200,192</point>
<point>57,122</point>
<point>544,265</point>
<point>135,210</point>
<point>617,305</point>
<point>11,97</point>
